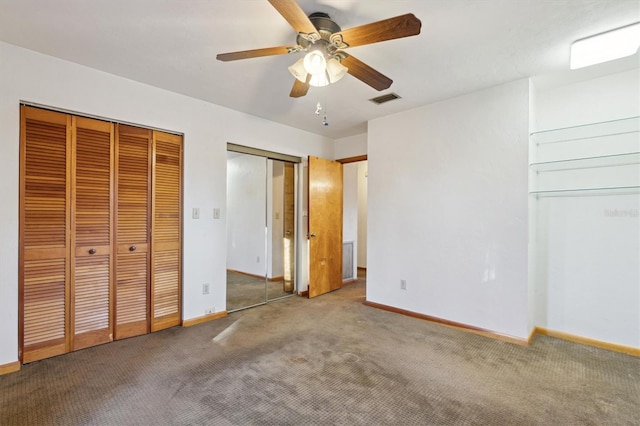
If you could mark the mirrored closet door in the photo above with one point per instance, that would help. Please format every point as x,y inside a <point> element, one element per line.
<point>246,230</point>
<point>261,229</point>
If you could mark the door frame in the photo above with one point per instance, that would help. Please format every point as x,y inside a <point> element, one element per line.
<point>355,159</point>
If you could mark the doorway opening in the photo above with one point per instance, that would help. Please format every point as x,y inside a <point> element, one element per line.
<point>354,225</point>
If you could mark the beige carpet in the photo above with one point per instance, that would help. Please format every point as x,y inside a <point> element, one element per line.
<point>325,361</point>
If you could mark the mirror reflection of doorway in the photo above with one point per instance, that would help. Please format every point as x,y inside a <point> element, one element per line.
<point>281,235</point>
<point>261,225</point>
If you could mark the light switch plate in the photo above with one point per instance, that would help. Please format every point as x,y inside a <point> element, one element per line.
<point>196,213</point>
<point>216,213</point>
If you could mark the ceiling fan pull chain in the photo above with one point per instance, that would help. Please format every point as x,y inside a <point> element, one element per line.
<point>324,117</point>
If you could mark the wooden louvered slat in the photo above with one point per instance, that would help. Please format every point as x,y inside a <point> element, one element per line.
<point>92,210</point>
<point>133,185</point>
<point>44,303</point>
<point>131,295</point>
<point>91,294</point>
<point>167,225</point>
<point>166,294</point>
<point>44,228</point>
<point>93,186</point>
<point>132,231</point>
<point>132,280</point>
<point>45,183</point>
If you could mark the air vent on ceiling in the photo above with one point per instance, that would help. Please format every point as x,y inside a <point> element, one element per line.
<point>385,98</point>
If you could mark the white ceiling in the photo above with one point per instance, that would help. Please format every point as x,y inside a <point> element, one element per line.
<point>465,45</point>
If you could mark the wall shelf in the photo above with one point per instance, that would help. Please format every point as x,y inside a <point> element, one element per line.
<point>618,190</point>
<point>587,160</point>
<point>617,127</point>
<point>624,159</point>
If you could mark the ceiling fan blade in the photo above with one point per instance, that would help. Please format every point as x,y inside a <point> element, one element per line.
<point>256,53</point>
<point>299,88</point>
<point>387,29</point>
<point>295,16</point>
<point>365,73</point>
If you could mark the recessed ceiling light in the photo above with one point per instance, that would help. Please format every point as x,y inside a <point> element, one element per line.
<point>607,46</point>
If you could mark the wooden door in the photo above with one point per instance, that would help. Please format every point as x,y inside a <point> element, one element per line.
<point>325,226</point>
<point>86,217</point>
<point>166,257</point>
<point>44,271</point>
<point>289,237</point>
<point>92,233</point>
<point>133,164</point>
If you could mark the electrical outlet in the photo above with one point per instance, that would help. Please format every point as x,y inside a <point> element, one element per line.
<point>403,284</point>
<point>205,288</point>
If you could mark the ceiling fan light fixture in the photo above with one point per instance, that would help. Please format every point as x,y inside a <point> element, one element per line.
<point>315,63</point>
<point>319,80</point>
<point>335,70</point>
<point>298,70</point>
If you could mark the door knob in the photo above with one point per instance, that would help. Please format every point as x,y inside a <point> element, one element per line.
<point>132,248</point>
<point>311,234</point>
<point>92,251</point>
<point>287,233</point>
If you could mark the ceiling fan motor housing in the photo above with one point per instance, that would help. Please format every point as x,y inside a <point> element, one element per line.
<point>326,27</point>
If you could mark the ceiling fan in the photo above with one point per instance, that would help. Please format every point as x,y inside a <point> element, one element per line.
<point>323,40</point>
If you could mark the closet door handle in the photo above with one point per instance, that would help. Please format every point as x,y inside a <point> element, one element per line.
<point>92,251</point>
<point>132,248</point>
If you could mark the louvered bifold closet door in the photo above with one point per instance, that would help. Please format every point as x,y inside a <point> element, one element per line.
<point>166,235</point>
<point>44,233</point>
<point>133,155</point>
<point>92,232</point>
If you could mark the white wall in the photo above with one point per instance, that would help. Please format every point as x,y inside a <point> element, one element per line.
<point>601,99</point>
<point>587,248</point>
<point>352,146</point>
<point>33,77</point>
<point>447,209</point>
<point>247,214</point>
<point>588,277</point>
